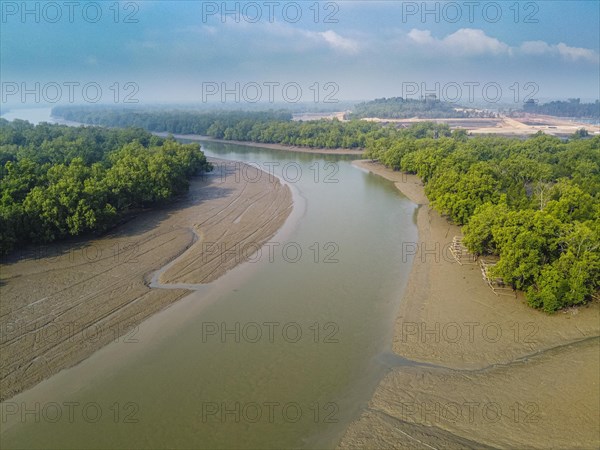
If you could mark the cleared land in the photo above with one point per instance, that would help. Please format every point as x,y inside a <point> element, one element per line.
<point>522,126</point>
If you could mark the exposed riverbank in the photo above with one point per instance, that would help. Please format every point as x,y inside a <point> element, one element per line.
<point>62,304</point>
<point>449,317</point>
<point>289,148</point>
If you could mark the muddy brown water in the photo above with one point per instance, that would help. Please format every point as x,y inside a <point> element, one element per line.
<point>281,352</point>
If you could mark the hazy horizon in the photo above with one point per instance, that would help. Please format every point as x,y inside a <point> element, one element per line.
<point>243,53</point>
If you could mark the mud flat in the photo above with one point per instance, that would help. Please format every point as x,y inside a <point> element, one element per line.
<point>63,302</point>
<point>540,371</point>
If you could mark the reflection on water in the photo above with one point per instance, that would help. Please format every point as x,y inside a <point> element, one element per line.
<point>278,353</point>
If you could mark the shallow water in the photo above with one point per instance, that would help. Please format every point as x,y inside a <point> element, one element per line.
<point>281,352</point>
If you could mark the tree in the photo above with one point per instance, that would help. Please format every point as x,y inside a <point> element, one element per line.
<point>61,181</point>
<point>478,232</point>
<point>527,241</point>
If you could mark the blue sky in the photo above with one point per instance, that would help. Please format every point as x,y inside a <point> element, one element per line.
<point>172,51</point>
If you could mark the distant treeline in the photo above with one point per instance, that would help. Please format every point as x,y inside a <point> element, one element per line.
<point>170,121</point>
<point>269,127</point>
<point>403,108</point>
<point>535,203</point>
<point>59,181</point>
<point>571,108</point>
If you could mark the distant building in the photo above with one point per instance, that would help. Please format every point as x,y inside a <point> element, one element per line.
<point>429,98</point>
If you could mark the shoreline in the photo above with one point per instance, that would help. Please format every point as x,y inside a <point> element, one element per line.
<point>284,147</point>
<point>60,308</point>
<point>448,317</point>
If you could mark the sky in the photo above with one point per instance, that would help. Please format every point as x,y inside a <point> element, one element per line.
<point>243,53</point>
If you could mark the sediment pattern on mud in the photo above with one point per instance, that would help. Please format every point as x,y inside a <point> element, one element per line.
<point>60,305</point>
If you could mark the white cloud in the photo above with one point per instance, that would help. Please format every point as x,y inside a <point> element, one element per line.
<point>274,36</point>
<point>561,49</point>
<point>285,36</point>
<point>470,41</point>
<point>464,42</point>
<point>474,42</point>
<point>535,47</point>
<point>575,53</point>
<point>421,36</point>
<point>338,42</point>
